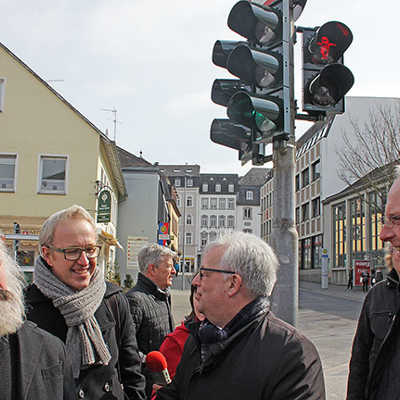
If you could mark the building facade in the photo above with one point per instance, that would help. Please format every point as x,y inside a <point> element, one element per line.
<point>316,179</point>
<point>51,157</point>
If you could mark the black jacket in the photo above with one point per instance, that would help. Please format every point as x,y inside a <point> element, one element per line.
<point>377,326</point>
<point>100,382</point>
<point>266,359</point>
<point>151,312</point>
<point>42,371</point>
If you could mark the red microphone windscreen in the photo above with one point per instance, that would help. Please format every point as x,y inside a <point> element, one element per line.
<point>155,361</point>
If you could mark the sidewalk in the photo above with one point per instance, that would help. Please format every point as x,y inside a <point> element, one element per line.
<point>338,291</point>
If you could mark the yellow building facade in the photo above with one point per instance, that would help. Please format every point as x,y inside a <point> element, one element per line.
<point>51,156</point>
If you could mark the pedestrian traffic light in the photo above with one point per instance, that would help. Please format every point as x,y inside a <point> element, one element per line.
<point>256,101</point>
<point>325,79</point>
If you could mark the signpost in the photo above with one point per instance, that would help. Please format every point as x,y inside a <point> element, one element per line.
<point>104,207</point>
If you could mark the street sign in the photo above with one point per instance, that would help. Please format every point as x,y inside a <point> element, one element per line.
<point>20,236</point>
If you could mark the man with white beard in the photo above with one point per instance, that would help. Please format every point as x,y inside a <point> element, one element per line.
<point>32,362</point>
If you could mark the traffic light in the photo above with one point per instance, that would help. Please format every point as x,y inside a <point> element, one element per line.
<point>256,102</point>
<point>325,79</point>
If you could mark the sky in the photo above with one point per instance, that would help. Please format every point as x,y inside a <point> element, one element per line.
<point>151,61</point>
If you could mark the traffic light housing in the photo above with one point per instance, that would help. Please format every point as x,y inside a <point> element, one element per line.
<point>256,100</point>
<point>325,79</point>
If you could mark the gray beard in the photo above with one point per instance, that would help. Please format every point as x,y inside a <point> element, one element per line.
<point>11,313</point>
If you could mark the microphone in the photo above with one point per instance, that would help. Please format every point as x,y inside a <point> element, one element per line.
<point>156,362</point>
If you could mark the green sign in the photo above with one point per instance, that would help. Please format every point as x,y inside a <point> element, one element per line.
<point>104,206</point>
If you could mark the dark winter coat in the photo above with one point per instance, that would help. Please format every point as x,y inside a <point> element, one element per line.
<point>266,359</point>
<point>151,312</point>
<point>100,382</point>
<point>377,328</point>
<point>42,371</point>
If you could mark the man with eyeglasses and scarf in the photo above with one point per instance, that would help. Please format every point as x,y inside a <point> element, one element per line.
<point>375,357</point>
<point>241,350</point>
<point>70,299</point>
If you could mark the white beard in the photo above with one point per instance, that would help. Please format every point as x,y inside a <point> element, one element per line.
<point>11,313</point>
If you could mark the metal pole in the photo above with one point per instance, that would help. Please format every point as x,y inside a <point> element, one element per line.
<point>184,228</point>
<point>284,234</point>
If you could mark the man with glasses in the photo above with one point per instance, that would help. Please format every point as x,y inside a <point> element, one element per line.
<point>150,301</point>
<point>241,350</point>
<point>70,299</point>
<point>375,355</point>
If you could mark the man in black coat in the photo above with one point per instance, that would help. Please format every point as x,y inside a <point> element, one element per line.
<point>241,350</point>
<point>33,363</point>
<point>70,299</point>
<point>150,301</point>
<point>375,357</point>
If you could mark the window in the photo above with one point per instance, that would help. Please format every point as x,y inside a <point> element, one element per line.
<point>204,236</point>
<point>189,220</point>
<point>221,221</point>
<point>205,187</point>
<point>189,182</point>
<point>7,172</point>
<point>231,204</point>
<point>316,207</point>
<point>247,213</point>
<point>305,212</point>
<point>248,230</point>
<point>2,93</point>
<point>189,201</point>
<point>231,221</point>
<point>213,236</point>
<point>204,221</point>
<point>188,238</point>
<point>204,203</point>
<point>305,177</point>
<point>316,170</point>
<point>231,188</point>
<point>178,201</point>
<point>297,215</point>
<point>297,182</point>
<point>213,203</point>
<point>339,234</point>
<point>222,204</point>
<point>177,182</point>
<point>218,187</point>
<point>249,195</point>
<point>52,174</point>
<point>213,221</point>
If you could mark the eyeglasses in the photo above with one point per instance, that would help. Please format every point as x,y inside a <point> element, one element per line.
<point>222,271</point>
<point>393,220</point>
<point>74,253</point>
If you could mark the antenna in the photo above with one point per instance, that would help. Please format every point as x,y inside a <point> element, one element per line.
<point>114,111</point>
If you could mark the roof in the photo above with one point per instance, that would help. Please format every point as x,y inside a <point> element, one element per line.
<point>108,143</point>
<point>255,176</point>
<point>379,175</point>
<point>128,159</point>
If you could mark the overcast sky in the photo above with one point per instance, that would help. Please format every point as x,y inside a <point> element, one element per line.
<point>151,60</point>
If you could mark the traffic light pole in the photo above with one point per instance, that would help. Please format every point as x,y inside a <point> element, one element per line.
<point>284,234</point>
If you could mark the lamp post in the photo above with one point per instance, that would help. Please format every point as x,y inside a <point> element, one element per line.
<point>184,233</point>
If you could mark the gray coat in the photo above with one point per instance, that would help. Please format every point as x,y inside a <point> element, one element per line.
<point>43,372</point>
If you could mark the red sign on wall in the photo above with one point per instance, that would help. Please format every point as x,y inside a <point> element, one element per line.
<point>360,266</point>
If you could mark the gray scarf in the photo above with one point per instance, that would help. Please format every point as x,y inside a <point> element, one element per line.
<point>85,343</point>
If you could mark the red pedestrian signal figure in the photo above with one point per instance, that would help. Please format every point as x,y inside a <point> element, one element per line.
<point>324,46</point>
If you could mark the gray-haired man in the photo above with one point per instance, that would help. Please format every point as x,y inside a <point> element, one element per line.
<point>242,351</point>
<point>33,363</point>
<point>150,301</point>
